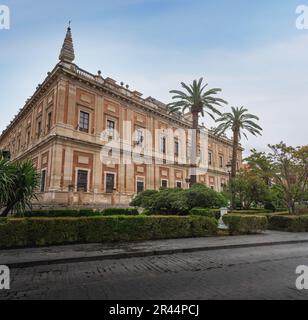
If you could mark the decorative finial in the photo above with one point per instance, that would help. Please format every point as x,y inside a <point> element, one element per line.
<point>67,53</point>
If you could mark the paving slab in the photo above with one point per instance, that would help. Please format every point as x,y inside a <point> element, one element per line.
<point>22,258</point>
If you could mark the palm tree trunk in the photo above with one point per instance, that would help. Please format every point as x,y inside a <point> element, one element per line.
<point>234,164</point>
<point>235,153</point>
<point>193,176</point>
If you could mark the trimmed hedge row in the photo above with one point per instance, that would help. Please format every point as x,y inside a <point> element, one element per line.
<point>31,232</point>
<point>121,211</point>
<point>288,223</point>
<point>61,213</point>
<point>210,213</point>
<point>245,224</point>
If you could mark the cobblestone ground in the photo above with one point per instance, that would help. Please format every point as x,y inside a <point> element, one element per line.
<point>253,273</point>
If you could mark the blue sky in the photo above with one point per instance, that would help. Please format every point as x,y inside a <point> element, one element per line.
<point>251,49</point>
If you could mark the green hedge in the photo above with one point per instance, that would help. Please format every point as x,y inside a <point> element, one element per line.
<point>62,213</point>
<point>251,212</point>
<point>288,223</point>
<point>59,213</point>
<point>245,224</point>
<point>121,211</point>
<point>32,232</point>
<point>210,213</point>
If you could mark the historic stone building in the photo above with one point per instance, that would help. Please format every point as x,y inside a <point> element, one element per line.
<point>73,114</point>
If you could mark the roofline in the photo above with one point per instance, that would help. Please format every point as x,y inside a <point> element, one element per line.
<point>109,86</point>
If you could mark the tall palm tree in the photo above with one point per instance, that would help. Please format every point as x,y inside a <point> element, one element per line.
<point>240,122</point>
<point>199,102</point>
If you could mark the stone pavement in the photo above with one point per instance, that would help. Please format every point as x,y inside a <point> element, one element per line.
<point>22,258</point>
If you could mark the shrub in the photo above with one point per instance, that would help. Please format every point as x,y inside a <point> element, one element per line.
<point>245,224</point>
<point>30,232</point>
<point>58,213</point>
<point>210,213</point>
<point>288,223</point>
<point>120,211</point>
<point>178,201</point>
<point>251,212</point>
<point>270,206</point>
<point>144,199</point>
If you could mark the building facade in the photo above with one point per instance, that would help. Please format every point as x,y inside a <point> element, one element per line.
<point>82,132</point>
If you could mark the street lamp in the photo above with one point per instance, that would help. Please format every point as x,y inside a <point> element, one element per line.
<point>229,168</point>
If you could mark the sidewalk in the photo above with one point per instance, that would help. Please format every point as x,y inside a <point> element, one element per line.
<point>22,258</point>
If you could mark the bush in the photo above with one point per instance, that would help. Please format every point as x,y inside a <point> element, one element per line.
<point>288,223</point>
<point>120,211</point>
<point>251,212</point>
<point>31,232</point>
<point>270,206</point>
<point>144,199</point>
<point>210,213</point>
<point>245,224</point>
<point>178,201</point>
<point>58,213</point>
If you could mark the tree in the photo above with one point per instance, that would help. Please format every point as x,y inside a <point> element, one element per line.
<point>240,122</point>
<point>260,164</point>
<point>248,189</point>
<point>22,186</point>
<point>199,102</point>
<point>290,173</point>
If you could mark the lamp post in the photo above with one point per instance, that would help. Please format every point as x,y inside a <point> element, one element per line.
<point>229,169</point>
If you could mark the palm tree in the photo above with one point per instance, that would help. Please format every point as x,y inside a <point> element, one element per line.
<point>240,122</point>
<point>197,101</point>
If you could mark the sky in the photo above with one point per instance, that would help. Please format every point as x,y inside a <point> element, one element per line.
<point>250,49</point>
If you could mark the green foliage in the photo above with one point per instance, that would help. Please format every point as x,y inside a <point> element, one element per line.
<point>179,201</point>
<point>248,189</point>
<point>18,185</point>
<point>245,224</point>
<point>143,199</point>
<point>196,100</point>
<point>210,213</point>
<point>58,213</point>
<point>121,211</point>
<point>290,223</point>
<point>32,232</point>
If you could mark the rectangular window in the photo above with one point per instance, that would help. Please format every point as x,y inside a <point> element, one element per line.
<point>82,180</point>
<point>49,121</point>
<point>28,137</point>
<point>139,137</point>
<point>140,186</point>
<point>39,129</point>
<point>84,122</point>
<point>210,159</point>
<point>221,162</point>
<point>164,184</point>
<point>176,148</point>
<point>179,185</point>
<point>110,183</point>
<point>111,128</point>
<point>43,181</point>
<point>163,145</point>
